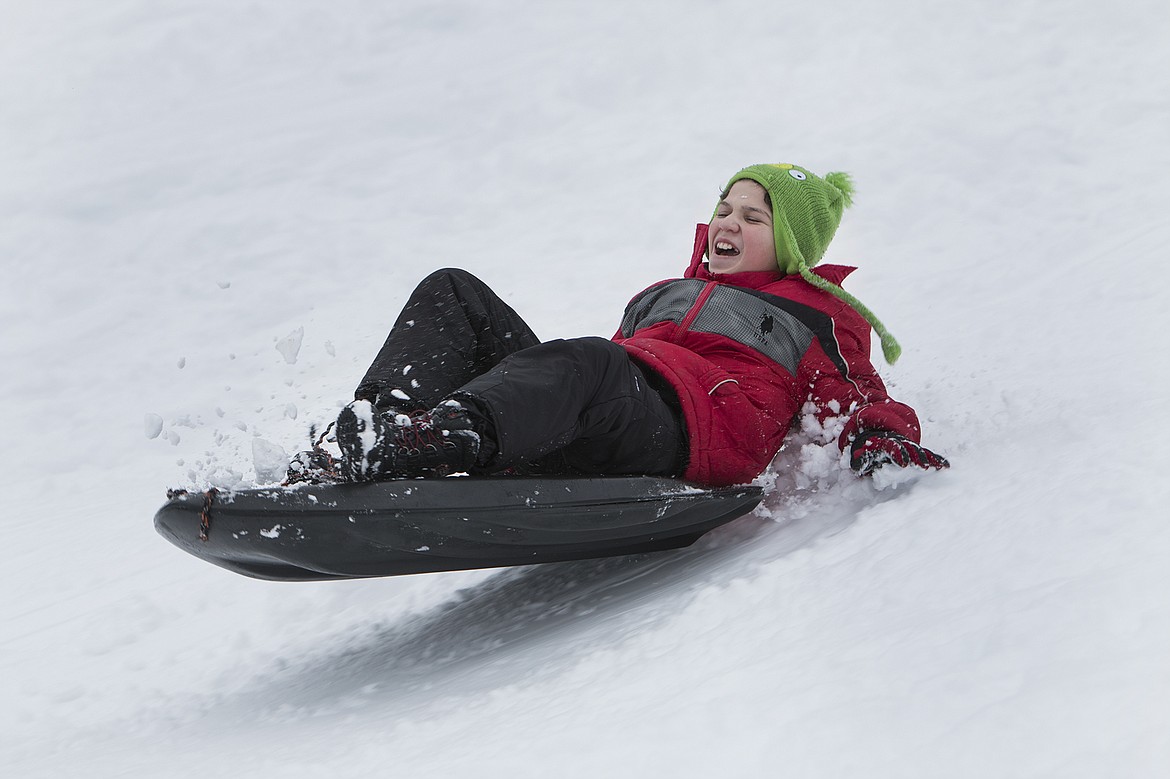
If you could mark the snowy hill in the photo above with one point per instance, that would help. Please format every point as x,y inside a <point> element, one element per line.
<point>210,213</point>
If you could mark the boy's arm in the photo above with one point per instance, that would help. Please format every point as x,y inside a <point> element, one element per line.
<point>879,430</point>
<point>851,386</point>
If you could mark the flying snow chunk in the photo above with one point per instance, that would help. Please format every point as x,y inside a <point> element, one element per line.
<point>290,346</point>
<point>329,348</point>
<point>224,284</point>
<point>153,424</point>
<point>270,461</point>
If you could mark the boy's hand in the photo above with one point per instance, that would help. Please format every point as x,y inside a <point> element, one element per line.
<point>875,448</point>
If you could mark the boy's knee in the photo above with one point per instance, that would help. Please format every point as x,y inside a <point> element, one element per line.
<point>592,350</point>
<point>607,353</point>
<point>450,277</point>
<point>602,347</point>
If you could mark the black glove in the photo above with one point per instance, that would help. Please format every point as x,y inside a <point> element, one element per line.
<point>872,449</point>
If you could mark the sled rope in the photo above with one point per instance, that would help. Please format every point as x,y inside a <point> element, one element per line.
<point>321,438</point>
<point>205,514</point>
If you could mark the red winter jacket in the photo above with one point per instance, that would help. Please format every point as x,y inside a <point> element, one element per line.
<point>745,351</point>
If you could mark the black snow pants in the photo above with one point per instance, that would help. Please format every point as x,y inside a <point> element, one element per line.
<point>576,406</point>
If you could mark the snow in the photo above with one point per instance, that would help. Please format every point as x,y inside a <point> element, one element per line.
<point>184,184</point>
<point>269,460</point>
<point>290,346</point>
<point>153,424</point>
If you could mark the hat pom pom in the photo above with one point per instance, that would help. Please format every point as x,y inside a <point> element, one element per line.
<point>843,183</point>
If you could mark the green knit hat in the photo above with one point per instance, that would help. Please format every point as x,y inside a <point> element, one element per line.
<point>806,210</point>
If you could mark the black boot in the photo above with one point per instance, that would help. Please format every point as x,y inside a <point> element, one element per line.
<point>378,445</point>
<point>312,466</point>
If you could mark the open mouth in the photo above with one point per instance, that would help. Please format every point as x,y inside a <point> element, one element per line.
<point>724,249</point>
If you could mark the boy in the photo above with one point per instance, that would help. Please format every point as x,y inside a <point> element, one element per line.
<point>702,380</point>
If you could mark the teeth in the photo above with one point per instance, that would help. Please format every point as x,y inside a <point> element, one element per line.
<point>724,246</point>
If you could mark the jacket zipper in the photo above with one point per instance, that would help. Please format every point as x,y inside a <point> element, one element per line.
<point>685,325</point>
<point>694,312</point>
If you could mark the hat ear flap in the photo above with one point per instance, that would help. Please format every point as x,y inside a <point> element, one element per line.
<point>788,255</point>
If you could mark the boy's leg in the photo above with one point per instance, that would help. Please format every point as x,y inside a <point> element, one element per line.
<point>583,399</point>
<point>452,329</point>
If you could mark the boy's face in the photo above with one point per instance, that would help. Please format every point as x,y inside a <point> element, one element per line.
<point>740,236</point>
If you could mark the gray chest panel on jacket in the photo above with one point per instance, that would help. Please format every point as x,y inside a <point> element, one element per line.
<point>735,313</point>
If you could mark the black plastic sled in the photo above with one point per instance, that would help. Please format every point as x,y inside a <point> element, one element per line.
<point>391,528</point>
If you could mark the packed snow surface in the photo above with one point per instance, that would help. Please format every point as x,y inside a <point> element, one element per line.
<point>211,212</point>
